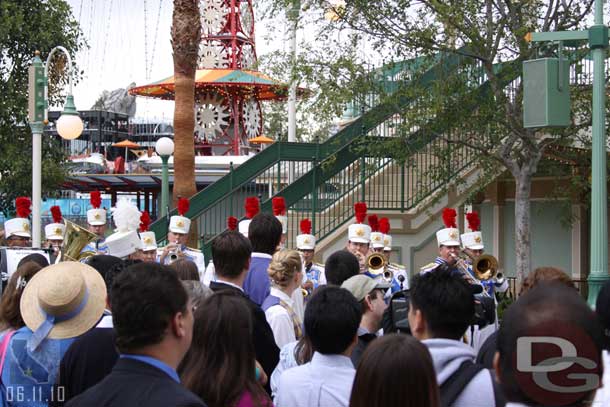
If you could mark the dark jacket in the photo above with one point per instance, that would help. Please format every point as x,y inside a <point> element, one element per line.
<point>363,341</point>
<point>267,352</point>
<point>87,361</point>
<point>133,383</point>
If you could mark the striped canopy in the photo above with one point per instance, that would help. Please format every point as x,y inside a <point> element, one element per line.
<point>233,81</point>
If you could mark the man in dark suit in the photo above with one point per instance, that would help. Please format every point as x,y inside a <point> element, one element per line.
<point>153,322</point>
<point>231,253</point>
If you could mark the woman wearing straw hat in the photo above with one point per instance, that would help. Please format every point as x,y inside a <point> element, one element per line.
<point>60,302</point>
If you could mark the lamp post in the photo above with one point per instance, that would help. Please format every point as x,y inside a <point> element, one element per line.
<point>69,125</point>
<point>165,148</point>
<point>597,38</point>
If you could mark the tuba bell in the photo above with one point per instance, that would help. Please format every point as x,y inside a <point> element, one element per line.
<point>485,267</point>
<point>75,239</point>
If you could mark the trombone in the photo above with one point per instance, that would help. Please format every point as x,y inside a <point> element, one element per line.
<point>484,267</point>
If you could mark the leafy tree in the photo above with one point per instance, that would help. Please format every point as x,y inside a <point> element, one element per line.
<point>489,38</point>
<point>27,26</point>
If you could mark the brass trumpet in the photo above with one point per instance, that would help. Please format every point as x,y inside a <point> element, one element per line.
<point>377,266</point>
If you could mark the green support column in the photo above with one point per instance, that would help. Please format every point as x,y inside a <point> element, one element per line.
<point>598,40</point>
<point>164,185</point>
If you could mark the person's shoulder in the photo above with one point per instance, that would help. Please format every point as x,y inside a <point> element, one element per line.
<point>191,249</point>
<point>428,267</point>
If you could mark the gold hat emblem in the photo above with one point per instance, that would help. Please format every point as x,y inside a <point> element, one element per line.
<point>477,239</point>
<point>26,226</point>
<point>148,240</point>
<point>360,232</point>
<point>97,215</point>
<point>58,231</point>
<point>386,242</point>
<point>180,224</point>
<point>377,238</point>
<point>306,240</point>
<point>453,235</point>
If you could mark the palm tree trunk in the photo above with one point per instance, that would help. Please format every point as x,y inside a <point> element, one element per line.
<point>186,35</point>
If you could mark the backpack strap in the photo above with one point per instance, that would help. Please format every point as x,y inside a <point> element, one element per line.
<point>455,384</point>
<point>3,348</point>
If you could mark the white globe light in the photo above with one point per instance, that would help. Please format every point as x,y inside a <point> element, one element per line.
<point>69,126</point>
<point>164,146</point>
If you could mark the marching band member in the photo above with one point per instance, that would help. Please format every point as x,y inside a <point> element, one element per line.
<point>210,270</point>
<point>306,245</point>
<point>96,220</point>
<point>279,210</point>
<point>54,232</point>
<point>472,243</point>
<point>17,231</point>
<point>179,227</point>
<point>253,207</point>
<point>359,236</point>
<point>448,244</point>
<point>396,269</point>
<point>148,238</point>
<point>125,242</point>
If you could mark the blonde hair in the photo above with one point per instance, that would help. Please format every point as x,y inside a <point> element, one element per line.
<point>283,267</point>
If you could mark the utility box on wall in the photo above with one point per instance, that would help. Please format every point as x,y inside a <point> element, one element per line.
<point>546,93</point>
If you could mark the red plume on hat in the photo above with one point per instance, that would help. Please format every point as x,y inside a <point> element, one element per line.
<point>305,227</point>
<point>232,223</point>
<point>183,206</point>
<point>144,221</point>
<point>96,199</point>
<point>360,211</point>
<point>56,213</point>
<point>22,204</point>
<point>474,223</point>
<point>449,215</point>
<point>252,207</point>
<point>279,205</point>
<point>384,225</point>
<point>374,223</point>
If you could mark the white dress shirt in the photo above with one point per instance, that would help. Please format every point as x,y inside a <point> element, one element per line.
<point>326,381</point>
<point>279,319</point>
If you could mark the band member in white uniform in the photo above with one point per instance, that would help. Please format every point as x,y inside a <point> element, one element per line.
<point>398,270</point>
<point>125,242</point>
<point>313,273</point>
<point>96,220</point>
<point>148,238</point>
<point>17,231</point>
<point>359,236</point>
<point>54,232</point>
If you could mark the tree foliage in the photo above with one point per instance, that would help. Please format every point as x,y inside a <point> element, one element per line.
<point>27,26</point>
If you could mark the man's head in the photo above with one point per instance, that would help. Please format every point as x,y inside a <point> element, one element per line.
<point>449,253</point>
<point>307,255</point>
<point>361,247</point>
<point>177,238</point>
<point>231,252</point>
<point>18,241</point>
<point>340,266</point>
<point>99,230</point>
<point>369,293</point>
<point>473,253</point>
<point>442,305</point>
<point>265,233</point>
<point>332,317</point>
<point>546,275</point>
<point>549,321</point>
<point>150,308</point>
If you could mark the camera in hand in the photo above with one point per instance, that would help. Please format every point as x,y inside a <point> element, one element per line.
<point>484,311</point>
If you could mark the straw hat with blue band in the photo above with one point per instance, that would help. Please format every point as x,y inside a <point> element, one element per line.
<point>63,300</point>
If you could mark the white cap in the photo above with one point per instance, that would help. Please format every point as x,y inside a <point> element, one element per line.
<point>306,242</point>
<point>387,242</point>
<point>448,237</point>
<point>17,227</point>
<point>179,224</point>
<point>122,244</point>
<point>359,233</point>
<point>473,240</point>
<point>54,231</point>
<point>376,240</point>
<point>96,217</point>
<point>284,221</point>
<point>149,241</point>
<point>243,226</point>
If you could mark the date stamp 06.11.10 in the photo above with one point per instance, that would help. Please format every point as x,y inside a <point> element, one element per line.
<point>35,394</point>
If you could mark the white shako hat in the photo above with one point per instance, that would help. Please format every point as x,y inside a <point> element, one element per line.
<point>148,238</point>
<point>473,240</point>
<point>376,235</point>
<point>450,235</point>
<point>278,204</point>
<point>55,230</point>
<point>180,223</point>
<point>359,232</point>
<point>384,227</point>
<point>96,216</point>
<point>252,206</point>
<point>125,240</point>
<point>306,241</point>
<point>19,225</point>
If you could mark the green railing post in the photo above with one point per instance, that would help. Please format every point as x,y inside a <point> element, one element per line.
<point>314,196</point>
<point>279,175</point>
<point>402,188</point>
<point>362,178</point>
